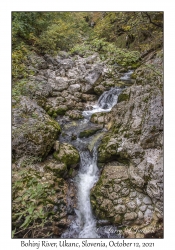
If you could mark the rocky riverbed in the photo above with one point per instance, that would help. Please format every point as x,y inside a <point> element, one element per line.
<point>46,124</point>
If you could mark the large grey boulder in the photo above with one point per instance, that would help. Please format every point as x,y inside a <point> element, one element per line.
<point>92,78</point>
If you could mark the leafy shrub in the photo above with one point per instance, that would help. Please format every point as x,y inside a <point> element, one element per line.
<point>120,56</point>
<point>29,196</point>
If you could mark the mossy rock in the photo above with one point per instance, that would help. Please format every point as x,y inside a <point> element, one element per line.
<point>59,169</point>
<point>68,155</point>
<point>94,141</point>
<point>34,132</point>
<point>61,110</point>
<point>133,76</point>
<point>74,114</point>
<point>89,132</point>
<point>123,97</point>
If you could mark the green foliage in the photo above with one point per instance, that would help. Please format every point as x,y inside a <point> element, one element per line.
<point>19,88</point>
<point>63,33</point>
<point>82,49</point>
<point>30,193</point>
<point>19,61</point>
<point>109,51</point>
<point>29,25</point>
<point>57,37</point>
<point>144,29</point>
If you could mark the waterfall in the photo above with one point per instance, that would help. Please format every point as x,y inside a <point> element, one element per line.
<point>84,225</point>
<point>127,76</point>
<point>88,176</point>
<point>105,103</point>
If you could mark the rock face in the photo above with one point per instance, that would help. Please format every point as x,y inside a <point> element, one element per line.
<point>130,190</point>
<point>116,198</point>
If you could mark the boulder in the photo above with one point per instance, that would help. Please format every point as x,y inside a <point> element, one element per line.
<point>89,131</point>
<point>67,154</point>
<point>67,64</point>
<point>74,114</point>
<point>33,131</point>
<point>37,61</point>
<point>74,88</point>
<point>92,59</point>
<point>92,78</point>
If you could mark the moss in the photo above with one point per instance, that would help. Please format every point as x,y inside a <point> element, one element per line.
<point>55,125</point>
<point>59,170</point>
<point>54,115</point>
<point>123,97</point>
<point>133,76</point>
<point>67,154</point>
<point>50,112</point>
<point>89,132</point>
<point>138,132</point>
<point>146,99</point>
<point>135,65</point>
<point>61,110</point>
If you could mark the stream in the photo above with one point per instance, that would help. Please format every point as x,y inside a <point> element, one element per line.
<point>84,225</point>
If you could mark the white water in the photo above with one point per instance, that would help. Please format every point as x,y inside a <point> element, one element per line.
<point>88,176</point>
<point>105,103</point>
<point>84,226</point>
<point>127,75</point>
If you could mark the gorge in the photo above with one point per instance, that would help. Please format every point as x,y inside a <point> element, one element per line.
<point>118,143</point>
<point>87,144</point>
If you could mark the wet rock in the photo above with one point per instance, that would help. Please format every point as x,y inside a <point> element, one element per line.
<point>89,132</point>
<point>86,97</point>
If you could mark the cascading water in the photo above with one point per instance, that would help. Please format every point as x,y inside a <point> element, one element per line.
<point>105,103</point>
<point>127,76</point>
<point>84,225</point>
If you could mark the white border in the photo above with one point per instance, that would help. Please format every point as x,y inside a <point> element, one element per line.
<point>5,102</point>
